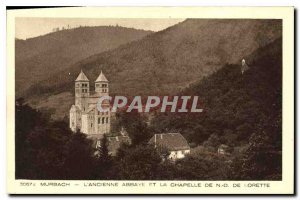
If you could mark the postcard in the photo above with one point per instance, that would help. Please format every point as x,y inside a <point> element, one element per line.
<point>150,100</point>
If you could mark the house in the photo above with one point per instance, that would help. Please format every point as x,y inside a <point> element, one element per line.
<point>114,143</point>
<point>223,149</point>
<point>172,145</point>
<point>84,115</point>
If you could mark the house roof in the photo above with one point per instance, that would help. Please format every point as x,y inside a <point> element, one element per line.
<point>171,141</point>
<point>223,146</point>
<point>101,78</point>
<point>82,77</point>
<point>114,143</point>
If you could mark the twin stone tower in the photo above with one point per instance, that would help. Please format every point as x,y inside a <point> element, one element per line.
<point>84,115</point>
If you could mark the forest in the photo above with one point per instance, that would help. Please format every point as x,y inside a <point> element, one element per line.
<point>242,111</point>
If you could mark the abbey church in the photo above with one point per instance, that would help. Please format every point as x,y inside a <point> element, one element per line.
<point>84,115</point>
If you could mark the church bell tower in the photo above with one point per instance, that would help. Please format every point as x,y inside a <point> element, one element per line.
<point>82,91</point>
<point>101,85</point>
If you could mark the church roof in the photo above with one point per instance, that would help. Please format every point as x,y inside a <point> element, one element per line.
<point>74,108</point>
<point>94,94</point>
<point>101,78</point>
<point>171,141</point>
<point>82,77</point>
<point>91,108</point>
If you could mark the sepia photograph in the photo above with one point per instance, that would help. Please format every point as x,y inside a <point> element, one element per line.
<point>184,99</point>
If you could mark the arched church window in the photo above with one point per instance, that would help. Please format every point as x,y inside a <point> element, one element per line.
<point>99,120</point>
<point>103,120</point>
<point>107,120</point>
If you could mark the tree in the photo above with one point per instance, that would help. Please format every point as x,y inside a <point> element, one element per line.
<point>46,155</point>
<point>203,166</point>
<point>79,163</point>
<point>26,120</point>
<point>105,163</point>
<point>261,160</point>
<point>213,142</point>
<point>167,170</point>
<point>139,163</point>
<point>135,125</point>
<point>104,148</point>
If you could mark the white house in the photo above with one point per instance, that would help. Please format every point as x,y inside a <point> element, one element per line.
<point>174,144</point>
<point>223,149</point>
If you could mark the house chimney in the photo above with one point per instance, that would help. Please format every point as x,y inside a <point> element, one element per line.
<point>154,140</point>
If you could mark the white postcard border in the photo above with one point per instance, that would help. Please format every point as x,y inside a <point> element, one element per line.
<point>286,186</point>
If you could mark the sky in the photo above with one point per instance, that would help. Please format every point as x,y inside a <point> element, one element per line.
<point>33,27</point>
